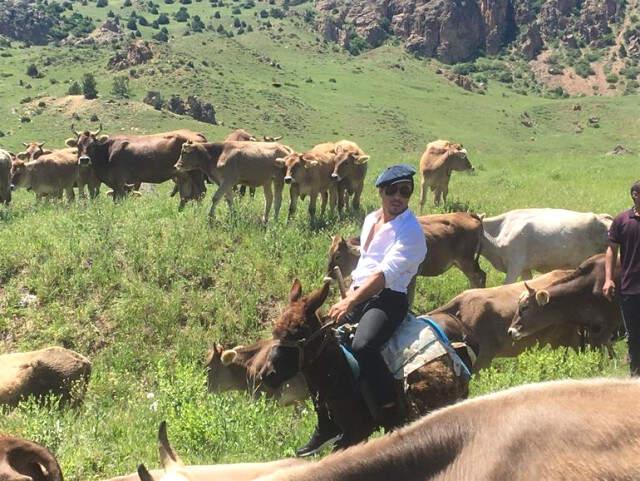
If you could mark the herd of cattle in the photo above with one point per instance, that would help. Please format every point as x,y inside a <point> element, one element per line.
<point>563,306</point>
<point>335,171</point>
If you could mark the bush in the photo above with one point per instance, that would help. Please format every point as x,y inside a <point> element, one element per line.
<point>132,24</point>
<point>612,78</point>
<point>102,3</point>
<point>120,86</point>
<point>89,87</point>
<point>143,21</point>
<point>630,72</point>
<point>592,56</point>
<point>236,11</point>
<point>309,15</point>
<point>583,68</point>
<point>155,25</point>
<point>154,99</point>
<point>276,13</point>
<point>74,89</point>
<point>169,2</point>
<point>236,22</point>
<point>356,44</point>
<point>127,3</point>
<point>216,15</point>
<point>162,35</point>
<point>464,68</point>
<point>196,24</point>
<point>32,71</point>
<point>181,15</point>
<point>264,14</point>
<point>163,19</point>
<point>111,14</point>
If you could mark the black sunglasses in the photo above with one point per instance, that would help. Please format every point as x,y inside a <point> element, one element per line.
<point>404,190</point>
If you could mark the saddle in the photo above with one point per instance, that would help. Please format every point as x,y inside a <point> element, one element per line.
<point>415,343</point>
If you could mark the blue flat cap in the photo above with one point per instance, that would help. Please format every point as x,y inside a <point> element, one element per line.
<point>395,173</point>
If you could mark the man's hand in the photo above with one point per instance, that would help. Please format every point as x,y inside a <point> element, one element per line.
<point>341,309</point>
<point>609,289</point>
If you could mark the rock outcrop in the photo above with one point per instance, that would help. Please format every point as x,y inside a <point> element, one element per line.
<point>137,53</point>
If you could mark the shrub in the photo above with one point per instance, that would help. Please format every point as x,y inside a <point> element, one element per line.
<point>612,78</point>
<point>127,3</point>
<point>236,11</point>
<point>464,68</point>
<point>181,15</point>
<point>111,14</point>
<point>196,24</point>
<point>89,87</point>
<point>185,2</point>
<point>264,14</point>
<point>169,2</point>
<point>132,24</point>
<point>143,21</point>
<point>102,3</point>
<point>163,19</point>
<point>592,56</point>
<point>220,29</point>
<point>162,35</point>
<point>236,22</point>
<point>120,86</point>
<point>309,15</point>
<point>154,99</point>
<point>583,68</point>
<point>276,12</point>
<point>505,77</point>
<point>74,89</point>
<point>630,72</point>
<point>155,25</point>
<point>216,15</point>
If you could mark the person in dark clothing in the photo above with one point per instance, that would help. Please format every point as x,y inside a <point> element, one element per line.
<point>392,250</point>
<point>624,234</point>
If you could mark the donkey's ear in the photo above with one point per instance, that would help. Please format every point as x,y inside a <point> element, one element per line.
<point>296,291</point>
<point>317,298</point>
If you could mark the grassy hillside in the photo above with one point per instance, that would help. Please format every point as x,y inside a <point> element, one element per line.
<point>144,290</point>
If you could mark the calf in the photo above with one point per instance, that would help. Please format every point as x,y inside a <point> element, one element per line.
<point>452,240</point>
<point>230,163</point>
<point>349,171</point>
<point>310,174</point>
<point>524,240</point>
<point>573,300</point>
<point>5,177</point>
<point>438,161</point>
<point>49,175</point>
<point>235,370</point>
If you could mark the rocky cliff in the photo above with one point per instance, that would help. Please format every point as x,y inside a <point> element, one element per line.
<point>460,30</point>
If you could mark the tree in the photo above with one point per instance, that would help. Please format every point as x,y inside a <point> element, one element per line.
<point>89,86</point>
<point>163,19</point>
<point>132,24</point>
<point>162,35</point>
<point>102,3</point>
<point>197,25</point>
<point>32,71</point>
<point>127,3</point>
<point>74,89</point>
<point>216,15</point>
<point>182,15</point>
<point>121,86</point>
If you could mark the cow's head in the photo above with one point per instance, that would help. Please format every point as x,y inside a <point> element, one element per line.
<point>295,165</point>
<point>529,317</point>
<point>18,173</point>
<point>22,460</point>
<point>32,151</point>
<point>343,254</point>
<point>457,158</point>
<point>345,161</point>
<point>295,342</point>
<point>174,469</point>
<point>189,156</point>
<point>87,143</point>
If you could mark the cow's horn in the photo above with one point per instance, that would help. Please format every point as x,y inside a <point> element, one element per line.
<point>41,144</point>
<point>529,288</point>
<point>144,474</point>
<point>75,131</point>
<point>25,144</point>
<point>97,131</point>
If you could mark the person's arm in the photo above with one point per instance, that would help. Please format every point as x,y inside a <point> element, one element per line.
<point>371,286</point>
<point>608,289</point>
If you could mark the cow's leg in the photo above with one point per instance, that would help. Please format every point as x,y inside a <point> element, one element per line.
<point>437,195</point>
<point>70,194</point>
<point>514,271</point>
<point>312,204</point>
<point>268,200</point>
<point>323,202</point>
<point>445,192</point>
<point>278,186</point>
<point>294,192</point>
<point>223,190</point>
<point>355,204</point>
<point>471,269</point>
<point>333,195</point>
<point>423,194</point>
<point>342,193</point>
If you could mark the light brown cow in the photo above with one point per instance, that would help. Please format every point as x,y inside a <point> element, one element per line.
<point>22,460</point>
<point>175,470</point>
<point>5,177</point>
<point>575,299</point>
<point>234,370</point>
<point>241,135</point>
<point>452,240</point>
<point>440,158</point>
<point>563,430</point>
<point>37,373</point>
<point>230,163</point>
<point>49,175</point>
<point>309,173</point>
<point>481,318</point>
<point>86,175</point>
<point>349,171</point>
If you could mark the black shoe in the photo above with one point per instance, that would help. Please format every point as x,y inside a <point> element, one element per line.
<point>318,441</point>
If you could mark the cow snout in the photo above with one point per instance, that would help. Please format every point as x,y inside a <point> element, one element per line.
<point>514,333</point>
<point>13,187</point>
<point>84,160</point>
<point>288,179</point>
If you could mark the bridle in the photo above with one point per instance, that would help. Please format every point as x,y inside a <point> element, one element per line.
<point>301,345</point>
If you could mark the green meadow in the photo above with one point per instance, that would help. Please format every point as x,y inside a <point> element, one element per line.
<point>145,290</point>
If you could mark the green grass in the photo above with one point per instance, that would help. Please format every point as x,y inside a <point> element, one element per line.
<point>144,290</point>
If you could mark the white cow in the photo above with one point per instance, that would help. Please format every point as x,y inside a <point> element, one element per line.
<point>524,240</point>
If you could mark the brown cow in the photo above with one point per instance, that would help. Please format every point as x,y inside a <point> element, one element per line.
<point>241,135</point>
<point>49,175</point>
<point>86,176</point>
<point>121,160</point>
<point>481,317</point>
<point>235,370</point>
<point>309,173</point>
<point>452,240</point>
<point>175,470</point>
<point>563,430</point>
<point>5,177</point>
<point>440,158</point>
<point>573,300</point>
<point>349,171</point>
<point>230,163</point>
<point>37,373</point>
<point>22,460</point>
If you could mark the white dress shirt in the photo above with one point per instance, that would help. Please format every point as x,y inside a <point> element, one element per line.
<point>397,249</point>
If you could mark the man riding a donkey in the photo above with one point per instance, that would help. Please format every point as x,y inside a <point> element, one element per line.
<point>393,248</point>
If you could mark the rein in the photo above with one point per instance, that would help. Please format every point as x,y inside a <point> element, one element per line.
<point>301,344</point>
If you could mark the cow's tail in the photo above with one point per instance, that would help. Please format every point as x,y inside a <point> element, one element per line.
<point>478,251</point>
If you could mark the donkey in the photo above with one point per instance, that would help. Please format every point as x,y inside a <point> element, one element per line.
<point>305,344</point>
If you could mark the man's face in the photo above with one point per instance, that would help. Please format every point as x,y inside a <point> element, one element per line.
<point>395,197</point>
